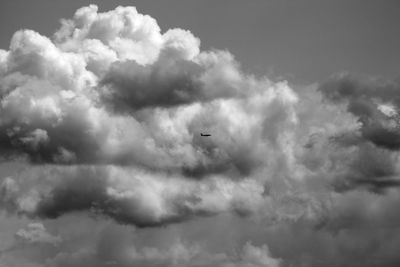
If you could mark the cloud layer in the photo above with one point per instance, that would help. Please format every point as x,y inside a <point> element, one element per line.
<point>106,119</point>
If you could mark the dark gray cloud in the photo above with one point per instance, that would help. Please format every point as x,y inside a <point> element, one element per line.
<point>129,196</point>
<point>375,102</point>
<point>362,153</point>
<point>129,86</point>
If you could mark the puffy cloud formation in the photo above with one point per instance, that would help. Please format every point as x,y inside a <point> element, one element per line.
<point>56,108</point>
<point>136,119</point>
<point>106,118</point>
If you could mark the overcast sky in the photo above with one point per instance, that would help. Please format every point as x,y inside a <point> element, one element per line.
<point>199,133</point>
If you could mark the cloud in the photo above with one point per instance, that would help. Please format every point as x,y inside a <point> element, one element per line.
<point>121,106</point>
<point>128,34</point>
<point>374,102</point>
<point>174,81</point>
<point>116,249</point>
<point>129,196</point>
<point>253,256</point>
<point>36,233</point>
<point>58,108</point>
<point>361,153</point>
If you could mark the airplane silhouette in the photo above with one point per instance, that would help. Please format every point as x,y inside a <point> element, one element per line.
<point>205,134</point>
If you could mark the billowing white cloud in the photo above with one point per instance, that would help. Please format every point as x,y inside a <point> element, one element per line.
<point>127,33</point>
<point>56,109</point>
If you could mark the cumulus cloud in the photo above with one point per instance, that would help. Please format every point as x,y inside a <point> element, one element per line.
<point>122,33</point>
<point>56,109</point>
<point>126,123</point>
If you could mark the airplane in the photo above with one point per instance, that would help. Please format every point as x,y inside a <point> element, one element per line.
<point>201,134</point>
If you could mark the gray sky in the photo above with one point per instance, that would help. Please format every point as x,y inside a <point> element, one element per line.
<point>304,41</point>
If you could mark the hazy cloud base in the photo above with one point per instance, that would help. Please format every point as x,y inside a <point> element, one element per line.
<point>106,117</point>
